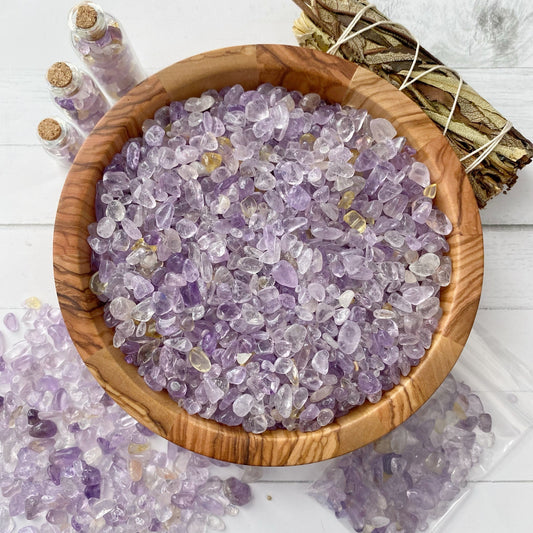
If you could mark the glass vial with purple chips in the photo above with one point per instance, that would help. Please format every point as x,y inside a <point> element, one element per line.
<point>59,139</point>
<point>77,95</point>
<point>100,41</point>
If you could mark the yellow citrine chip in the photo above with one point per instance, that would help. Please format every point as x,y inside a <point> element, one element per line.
<point>459,411</point>
<point>151,330</point>
<point>355,221</point>
<point>223,141</point>
<point>137,244</point>
<point>355,155</point>
<point>265,152</point>
<point>346,200</point>
<point>431,191</point>
<point>307,139</point>
<point>199,360</point>
<point>211,160</point>
<point>33,303</point>
<point>96,286</point>
<point>137,449</point>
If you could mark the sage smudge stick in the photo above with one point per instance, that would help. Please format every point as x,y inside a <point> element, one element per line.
<point>389,51</point>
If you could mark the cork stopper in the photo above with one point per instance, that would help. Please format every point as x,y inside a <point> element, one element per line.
<point>86,17</point>
<point>49,129</point>
<point>59,74</point>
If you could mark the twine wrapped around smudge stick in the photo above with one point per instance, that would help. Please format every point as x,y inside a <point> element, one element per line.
<point>490,149</point>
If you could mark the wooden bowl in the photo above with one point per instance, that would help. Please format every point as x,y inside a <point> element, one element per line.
<point>335,80</point>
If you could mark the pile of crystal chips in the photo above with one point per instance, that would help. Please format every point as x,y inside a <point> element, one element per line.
<point>412,476</point>
<point>73,460</point>
<point>269,259</point>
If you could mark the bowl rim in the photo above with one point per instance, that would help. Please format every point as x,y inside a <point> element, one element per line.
<point>336,80</point>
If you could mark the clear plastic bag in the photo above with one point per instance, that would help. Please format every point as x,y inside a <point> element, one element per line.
<point>415,477</point>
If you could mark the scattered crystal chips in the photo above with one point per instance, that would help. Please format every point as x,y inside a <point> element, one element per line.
<point>73,460</point>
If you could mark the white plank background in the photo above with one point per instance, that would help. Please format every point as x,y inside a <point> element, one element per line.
<point>487,41</point>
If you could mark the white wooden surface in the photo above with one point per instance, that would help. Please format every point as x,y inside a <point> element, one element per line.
<point>35,35</point>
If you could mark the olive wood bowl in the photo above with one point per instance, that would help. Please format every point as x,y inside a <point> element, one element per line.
<point>336,80</point>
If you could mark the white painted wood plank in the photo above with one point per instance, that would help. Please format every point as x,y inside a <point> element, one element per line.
<point>288,510</point>
<point>26,265</point>
<point>162,32</point>
<point>513,329</point>
<point>20,84</point>
<point>515,207</point>
<point>32,183</point>
<point>464,33</point>
<point>508,281</point>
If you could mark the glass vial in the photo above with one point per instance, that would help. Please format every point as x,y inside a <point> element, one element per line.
<point>77,95</point>
<point>100,41</point>
<point>59,139</point>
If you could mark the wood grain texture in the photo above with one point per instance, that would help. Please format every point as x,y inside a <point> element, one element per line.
<point>283,65</point>
<point>335,80</point>
<point>187,78</point>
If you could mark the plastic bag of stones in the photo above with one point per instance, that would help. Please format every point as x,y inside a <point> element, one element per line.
<point>413,478</point>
